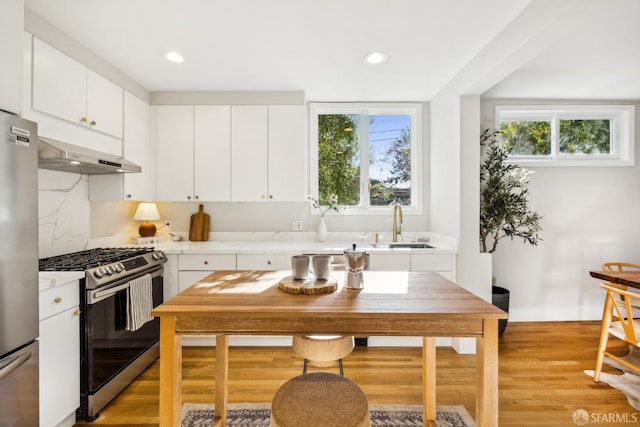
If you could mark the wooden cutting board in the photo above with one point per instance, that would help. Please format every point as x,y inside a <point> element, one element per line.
<point>199,226</point>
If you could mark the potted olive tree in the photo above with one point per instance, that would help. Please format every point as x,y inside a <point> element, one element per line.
<point>504,207</point>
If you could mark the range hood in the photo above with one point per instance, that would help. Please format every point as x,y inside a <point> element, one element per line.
<point>63,157</point>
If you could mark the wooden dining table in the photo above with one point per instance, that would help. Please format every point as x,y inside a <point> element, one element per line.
<point>422,304</point>
<point>626,278</point>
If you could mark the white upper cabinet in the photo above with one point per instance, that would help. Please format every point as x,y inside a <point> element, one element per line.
<point>66,89</point>
<point>287,160</point>
<point>11,12</point>
<point>139,148</point>
<point>193,153</point>
<point>268,153</point>
<point>238,153</point>
<point>175,153</point>
<point>249,153</point>
<point>212,152</point>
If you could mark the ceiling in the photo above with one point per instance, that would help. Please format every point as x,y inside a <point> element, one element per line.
<point>318,46</point>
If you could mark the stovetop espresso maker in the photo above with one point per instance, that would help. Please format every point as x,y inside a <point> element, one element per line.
<point>354,261</point>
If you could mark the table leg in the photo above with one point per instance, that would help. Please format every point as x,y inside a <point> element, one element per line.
<point>487,375</point>
<point>429,378</point>
<point>170,373</point>
<point>222,378</point>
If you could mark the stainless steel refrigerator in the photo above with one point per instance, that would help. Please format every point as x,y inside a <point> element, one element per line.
<point>18,272</point>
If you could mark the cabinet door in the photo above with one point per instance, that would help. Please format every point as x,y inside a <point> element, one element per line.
<point>59,84</point>
<point>287,165</point>
<point>138,147</point>
<point>11,53</point>
<point>175,153</point>
<point>59,362</point>
<point>249,153</point>
<point>104,105</point>
<point>212,152</point>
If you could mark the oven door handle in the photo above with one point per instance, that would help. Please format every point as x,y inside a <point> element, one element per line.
<point>100,294</point>
<point>110,291</point>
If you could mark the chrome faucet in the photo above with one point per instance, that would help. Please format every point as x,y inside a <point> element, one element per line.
<point>397,220</point>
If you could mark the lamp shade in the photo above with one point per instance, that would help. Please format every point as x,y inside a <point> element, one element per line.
<point>147,212</point>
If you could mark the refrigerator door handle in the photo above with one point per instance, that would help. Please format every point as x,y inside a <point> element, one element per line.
<point>14,363</point>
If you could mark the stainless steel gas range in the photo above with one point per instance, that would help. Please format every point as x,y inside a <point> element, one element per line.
<point>112,352</point>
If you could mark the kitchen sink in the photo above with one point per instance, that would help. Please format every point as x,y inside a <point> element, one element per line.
<point>408,245</point>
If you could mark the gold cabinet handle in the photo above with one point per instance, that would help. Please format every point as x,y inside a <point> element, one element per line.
<point>197,197</point>
<point>93,123</point>
<point>83,120</point>
<point>206,263</point>
<point>188,197</point>
<point>128,196</point>
<point>77,313</point>
<point>269,262</point>
<point>271,196</point>
<point>57,300</point>
<point>262,196</point>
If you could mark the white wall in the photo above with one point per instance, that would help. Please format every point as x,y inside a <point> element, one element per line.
<point>590,216</point>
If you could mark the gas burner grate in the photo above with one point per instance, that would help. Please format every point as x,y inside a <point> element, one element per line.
<point>82,260</point>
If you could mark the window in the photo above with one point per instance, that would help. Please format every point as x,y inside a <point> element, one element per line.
<point>567,134</point>
<point>366,154</point>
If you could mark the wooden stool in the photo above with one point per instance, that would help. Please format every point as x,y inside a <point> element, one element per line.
<point>322,350</point>
<point>320,399</point>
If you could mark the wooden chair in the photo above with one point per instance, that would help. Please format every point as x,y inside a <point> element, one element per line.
<point>618,320</point>
<point>322,350</point>
<point>623,266</point>
<point>320,399</point>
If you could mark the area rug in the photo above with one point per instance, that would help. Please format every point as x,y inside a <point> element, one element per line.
<point>257,415</point>
<point>627,383</point>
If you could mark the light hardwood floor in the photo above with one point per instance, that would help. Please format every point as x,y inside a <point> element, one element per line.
<point>541,378</point>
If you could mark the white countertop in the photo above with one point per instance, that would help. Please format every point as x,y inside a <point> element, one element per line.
<point>51,279</point>
<point>283,243</point>
<point>276,247</point>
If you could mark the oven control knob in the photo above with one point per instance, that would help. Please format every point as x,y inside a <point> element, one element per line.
<point>160,254</point>
<point>98,274</point>
<point>154,256</point>
<point>108,270</point>
<point>119,267</point>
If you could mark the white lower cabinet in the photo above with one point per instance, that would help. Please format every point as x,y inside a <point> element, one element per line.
<point>443,264</point>
<point>389,262</point>
<point>59,355</point>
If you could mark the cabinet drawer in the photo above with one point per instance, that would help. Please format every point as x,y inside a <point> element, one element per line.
<point>431,262</point>
<point>58,299</point>
<point>264,262</point>
<point>207,262</point>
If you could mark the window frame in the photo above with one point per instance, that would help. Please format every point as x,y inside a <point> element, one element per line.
<point>413,110</point>
<point>622,132</point>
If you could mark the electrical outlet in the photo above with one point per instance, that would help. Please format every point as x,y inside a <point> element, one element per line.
<point>296,225</point>
<point>167,225</point>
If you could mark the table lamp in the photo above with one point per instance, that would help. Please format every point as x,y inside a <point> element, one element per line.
<point>147,212</point>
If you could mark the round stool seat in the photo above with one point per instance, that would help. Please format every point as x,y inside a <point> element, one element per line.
<point>322,350</point>
<point>320,399</point>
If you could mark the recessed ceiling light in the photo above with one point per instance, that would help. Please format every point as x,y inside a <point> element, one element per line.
<point>174,57</point>
<point>375,58</point>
